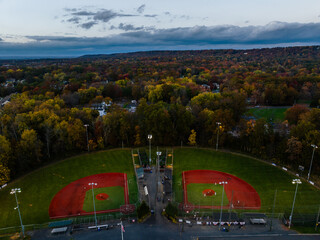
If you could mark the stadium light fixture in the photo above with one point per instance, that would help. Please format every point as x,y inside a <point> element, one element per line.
<point>15,191</point>
<point>221,183</point>
<point>87,125</point>
<point>94,205</point>
<point>217,144</point>
<point>294,181</point>
<point>314,148</point>
<point>149,138</point>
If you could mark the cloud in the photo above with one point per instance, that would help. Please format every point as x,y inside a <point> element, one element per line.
<point>70,9</point>
<point>83,13</point>
<point>1,39</point>
<point>129,27</point>
<point>151,16</point>
<point>80,17</point>
<point>88,25</point>
<point>141,8</point>
<point>105,16</point>
<point>75,20</point>
<point>197,37</point>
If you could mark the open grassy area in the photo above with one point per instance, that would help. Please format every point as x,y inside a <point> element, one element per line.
<point>265,178</point>
<point>38,188</point>
<point>196,197</point>
<point>270,114</point>
<point>115,199</point>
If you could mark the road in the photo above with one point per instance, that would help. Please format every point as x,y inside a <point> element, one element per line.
<point>160,228</point>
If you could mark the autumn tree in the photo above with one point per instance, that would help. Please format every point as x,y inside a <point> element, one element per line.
<point>29,147</point>
<point>294,149</point>
<point>5,156</point>
<point>192,138</point>
<point>293,114</point>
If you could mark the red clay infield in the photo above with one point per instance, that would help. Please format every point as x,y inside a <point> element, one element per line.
<point>69,200</point>
<point>240,193</point>
<point>102,196</point>
<point>208,192</point>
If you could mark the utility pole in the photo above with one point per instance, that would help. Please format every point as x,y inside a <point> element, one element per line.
<point>217,144</point>
<point>314,148</point>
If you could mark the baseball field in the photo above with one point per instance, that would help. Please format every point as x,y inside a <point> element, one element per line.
<point>263,180</point>
<point>47,192</point>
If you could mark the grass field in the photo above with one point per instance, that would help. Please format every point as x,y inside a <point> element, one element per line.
<point>273,114</point>
<point>39,187</point>
<point>265,178</point>
<point>116,198</point>
<point>196,197</point>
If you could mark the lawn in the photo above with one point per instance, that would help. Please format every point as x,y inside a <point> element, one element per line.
<point>265,178</point>
<point>196,197</point>
<point>40,186</point>
<point>115,199</point>
<point>273,114</point>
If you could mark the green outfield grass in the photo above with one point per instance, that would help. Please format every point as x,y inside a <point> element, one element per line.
<point>265,178</point>
<point>39,187</point>
<point>196,197</point>
<point>115,199</point>
<point>273,114</point>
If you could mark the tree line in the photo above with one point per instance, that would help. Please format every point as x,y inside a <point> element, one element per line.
<point>181,97</point>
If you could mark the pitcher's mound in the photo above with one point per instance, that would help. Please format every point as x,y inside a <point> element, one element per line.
<point>208,192</point>
<point>102,196</point>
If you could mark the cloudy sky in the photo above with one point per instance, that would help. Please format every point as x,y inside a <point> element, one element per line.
<point>77,27</point>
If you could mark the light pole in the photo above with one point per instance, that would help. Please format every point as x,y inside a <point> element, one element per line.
<point>15,191</point>
<point>158,154</point>
<point>314,148</point>
<point>221,183</point>
<point>157,166</point>
<point>87,125</point>
<point>294,181</point>
<point>94,205</point>
<point>217,144</point>
<point>149,138</point>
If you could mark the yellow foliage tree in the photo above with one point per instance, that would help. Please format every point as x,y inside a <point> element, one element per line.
<point>192,138</point>
<point>5,151</point>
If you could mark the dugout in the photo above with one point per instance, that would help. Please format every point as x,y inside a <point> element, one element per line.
<point>60,224</point>
<point>255,218</point>
<point>60,227</point>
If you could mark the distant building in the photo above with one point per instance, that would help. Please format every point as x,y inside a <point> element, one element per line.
<point>101,107</point>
